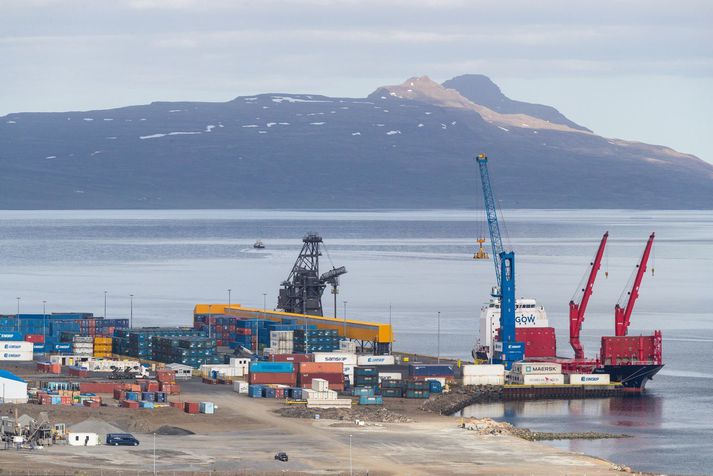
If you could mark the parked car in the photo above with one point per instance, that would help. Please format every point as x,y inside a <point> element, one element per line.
<point>281,456</point>
<point>121,439</point>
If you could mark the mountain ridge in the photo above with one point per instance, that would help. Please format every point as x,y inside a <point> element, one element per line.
<point>283,150</point>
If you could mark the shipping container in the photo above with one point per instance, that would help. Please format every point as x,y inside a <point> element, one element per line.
<point>191,407</point>
<point>321,367</point>
<point>484,370</point>
<point>431,370</point>
<point>376,360</point>
<point>588,379</point>
<point>267,378</point>
<point>271,367</point>
<point>484,379</point>
<point>536,368</point>
<point>536,379</point>
<point>373,400</point>
<point>344,358</point>
<point>207,407</point>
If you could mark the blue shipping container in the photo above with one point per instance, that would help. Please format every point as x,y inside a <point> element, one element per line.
<point>11,336</point>
<point>434,386</point>
<point>255,391</point>
<point>271,367</point>
<point>426,370</point>
<point>268,392</point>
<point>364,400</point>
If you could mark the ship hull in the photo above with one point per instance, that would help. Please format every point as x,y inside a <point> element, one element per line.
<point>632,377</point>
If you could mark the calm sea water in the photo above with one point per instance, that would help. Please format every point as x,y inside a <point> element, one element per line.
<point>419,263</point>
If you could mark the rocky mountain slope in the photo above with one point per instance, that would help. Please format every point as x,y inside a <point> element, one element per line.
<point>405,146</point>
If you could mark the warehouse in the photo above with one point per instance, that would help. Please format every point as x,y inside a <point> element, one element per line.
<point>12,388</point>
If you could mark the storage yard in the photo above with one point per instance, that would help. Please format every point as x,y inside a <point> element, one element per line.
<point>213,410</point>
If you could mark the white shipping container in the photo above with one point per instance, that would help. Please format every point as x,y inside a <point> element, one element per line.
<point>367,360</point>
<point>348,346</point>
<point>16,346</point>
<point>389,376</point>
<point>537,379</point>
<point>15,356</point>
<point>320,385</point>
<point>335,403</point>
<point>589,379</point>
<point>345,358</point>
<point>484,380</point>
<point>524,368</point>
<point>484,370</point>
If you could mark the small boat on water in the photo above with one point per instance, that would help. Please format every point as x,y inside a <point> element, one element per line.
<point>259,245</point>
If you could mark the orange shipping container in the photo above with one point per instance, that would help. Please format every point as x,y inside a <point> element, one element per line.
<point>322,367</point>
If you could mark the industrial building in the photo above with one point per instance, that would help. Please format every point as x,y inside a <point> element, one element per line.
<point>12,388</point>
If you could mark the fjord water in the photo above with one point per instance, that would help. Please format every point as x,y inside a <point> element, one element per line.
<point>420,263</point>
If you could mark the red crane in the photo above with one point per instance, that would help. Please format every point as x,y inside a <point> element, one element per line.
<point>622,316</point>
<point>577,310</point>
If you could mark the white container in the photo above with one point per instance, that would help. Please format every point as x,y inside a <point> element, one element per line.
<point>336,403</point>
<point>389,376</point>
<point>588,379</point>
<point>15,356</point>
<point>536,368</point>
<point>484,380</point>
<point>88,339</point>
<point>537,379</point>
<point>484,370</point>
<point>343,357</point>
<point>82,439</point>
<point>367,360</point>
<point>16,346</point>
<point>320,385</point>
<point>240,386</point>
<point>348,346</point>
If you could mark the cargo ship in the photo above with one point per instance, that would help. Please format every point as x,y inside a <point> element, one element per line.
<point>630,361</point>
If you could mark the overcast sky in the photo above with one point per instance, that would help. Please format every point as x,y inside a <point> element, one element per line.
<point>631,69</point>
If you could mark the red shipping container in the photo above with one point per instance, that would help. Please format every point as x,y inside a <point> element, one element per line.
<point>283,378</point>
<point>324,367</point>
<point>176,405</point>
<point>171,388</point>
<point>91,403</point>
<point>304,380</point>
<point>279,393</point>
<point>165,375</point>
<point>66,400</point>
<point>97,387</point>
<point>191,407</point>
<point>291,358</point>
<point>130,404</point>
<point>539,341</point>
<point>35,338</point>
<point>627,349</point>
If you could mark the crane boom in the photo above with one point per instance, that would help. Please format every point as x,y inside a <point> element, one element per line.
<point>577,310</point>
<point>622,316</point>
<point>496,240</point>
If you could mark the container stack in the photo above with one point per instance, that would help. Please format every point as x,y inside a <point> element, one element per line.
<point>484,374</point>
<point>417,389</point>
<point>187,350</point>
<point>272,373</point>
<point>102,347</point>
<point>281,342</point>
<point>139,342</point>
<point>536,373</point>
<point>83,346</point>
<point>16,350</point>
<point>332,372</point>
<point>316,340</point>
<point>348,360</point>
<point>320,396</point>
<point>366,377</point>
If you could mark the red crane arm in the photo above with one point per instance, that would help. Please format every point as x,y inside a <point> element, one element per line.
<point>622,316</point>
<point>577,310</point>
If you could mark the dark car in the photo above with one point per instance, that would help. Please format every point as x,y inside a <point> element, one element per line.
<point>281,456</point>
<point>121,439</point>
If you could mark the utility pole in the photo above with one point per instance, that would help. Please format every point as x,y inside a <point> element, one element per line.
<point>439,337</point>
<point>44,321</point>
<point>131,312</point>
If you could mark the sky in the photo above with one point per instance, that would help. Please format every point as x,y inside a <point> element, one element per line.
<point>630,69</point>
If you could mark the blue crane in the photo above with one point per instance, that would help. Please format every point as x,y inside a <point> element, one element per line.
<point>496,240</point>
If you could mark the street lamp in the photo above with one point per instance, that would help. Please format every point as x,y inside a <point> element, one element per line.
<point>345,319</point>
<point>229,301</point>
<point>17,316</point>
<point>44,320</point>
<point>391,333</point>
<point>439,337</point>
<point>154,454</point>
<point>131,312</point>
<point>351,470</point>
<point>105,293</point>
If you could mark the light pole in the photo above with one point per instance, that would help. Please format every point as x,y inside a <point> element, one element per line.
<point>210,318</point>
<point>44,320</point>
<point>17,316</point>
<point>131,311</point>
<point>229,301</point>
<point>105,293</point>
<point>439,337</point>
<point>391,333</point>
<point>154,454</point>
<point>351,470</point>
<point>345,319</point>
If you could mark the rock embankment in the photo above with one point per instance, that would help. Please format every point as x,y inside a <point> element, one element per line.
<point>362,412</point>
<point>487,426</point>
<point>460,397</point>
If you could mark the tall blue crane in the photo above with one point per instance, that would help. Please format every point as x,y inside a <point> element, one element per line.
<point>496,240</point>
